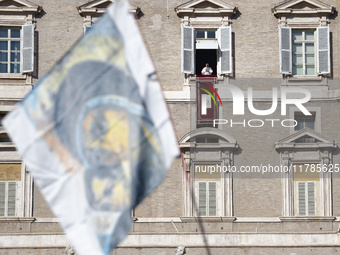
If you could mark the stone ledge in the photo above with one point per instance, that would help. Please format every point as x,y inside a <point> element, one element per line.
<point>208,219</point>
<point>16,219</point>
<point>308,219</point>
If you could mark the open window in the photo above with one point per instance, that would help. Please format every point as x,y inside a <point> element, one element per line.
<point>204,39</point>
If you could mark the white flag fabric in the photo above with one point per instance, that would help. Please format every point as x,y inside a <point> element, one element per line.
<point>95,133</point>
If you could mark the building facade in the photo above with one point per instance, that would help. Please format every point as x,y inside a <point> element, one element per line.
<point>259,172</point>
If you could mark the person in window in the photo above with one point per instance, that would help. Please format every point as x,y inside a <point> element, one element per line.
<point>207,70</point>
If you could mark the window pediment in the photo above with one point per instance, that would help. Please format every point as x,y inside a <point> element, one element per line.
<point>99,7</point>
<point>202,137</point>
<point>302,7</point>
<point>206,7</point>
<point>305,138</point>
<point>19,6</point>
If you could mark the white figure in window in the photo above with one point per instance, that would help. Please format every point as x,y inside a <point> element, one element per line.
<point>207,70</point>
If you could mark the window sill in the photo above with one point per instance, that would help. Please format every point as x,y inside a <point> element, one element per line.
<point>208,219</point>
<point>305,80</point>
<point>307,218</point>
<point>16,219</point>
<point>12,76</point>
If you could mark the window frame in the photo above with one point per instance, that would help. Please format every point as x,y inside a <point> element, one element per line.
<point>303,42</point>
<point>293,153</point>
<point>306,197</point>
<point>293,111</point>
<point>221,153</point>
<point>23,18</point>
<point>9,50</point>
<point>223,38</point>
<point>20,185</point>
<point>207,197</point>
<point>298,117</point>
<point>6,200</point>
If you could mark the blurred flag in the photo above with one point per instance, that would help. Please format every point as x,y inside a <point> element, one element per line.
<point>95,133</point>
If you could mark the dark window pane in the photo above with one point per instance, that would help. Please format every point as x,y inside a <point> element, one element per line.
<point>3,33</point>
<point>3,68</point>
<point>15,68</point>
<point>310,124</point>
<point>15,57</point>
<point>3,45</point>
<point>15,33</point>
<point>200,140</point>
<point>15,45</point>
<point>200,34</point>
<point>3,56</point>
<point>212,140</point>
<point>211,34</point>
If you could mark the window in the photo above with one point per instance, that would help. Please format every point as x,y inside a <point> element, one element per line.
<point>207,183</point>
<point>306,198</point>
<point>17,49</point>
<point>10,50</point>
<point>206,34</point>
<point>10,177</point>
<point>207,200</point>
<point>306,190</point>
<point>304,52</point>
<point>210,187</point>
<point>306,186</point>
<point>206,46</point>
<point>7,198</point>
<point>304,121</point>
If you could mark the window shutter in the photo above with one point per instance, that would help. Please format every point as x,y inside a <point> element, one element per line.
<point>188,46</point>
<point>11,198</point>
<point>311,198</point>
<point>323,54</point>
<point>226,50</point>
<point>301,198</point>
<point>285,50</point>
<point>212,199</point>
<point>2,198</point>
<point>27,48</point>
<point>202,198</point>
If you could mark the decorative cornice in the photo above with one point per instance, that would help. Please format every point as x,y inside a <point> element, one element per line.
<point>321,141</point>
<point>93,8</point>
<point>291,7</point>
<point>194,7</point>
<point>23,7</point>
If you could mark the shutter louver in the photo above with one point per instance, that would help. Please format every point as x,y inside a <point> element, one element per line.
<point>323,55</point>
<point>11,199</point>
<point>202,199</point>
<point>212,198</point>
<point>188,45</point>
<point>225,43</point>
<point>301,199</point>
<point>311,198</point>
<point>2,198</point>
<point>285,50</point>
<point>27,48</point>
